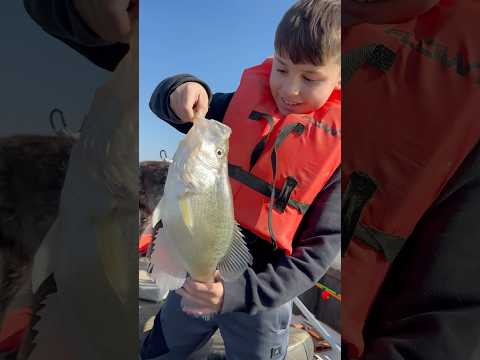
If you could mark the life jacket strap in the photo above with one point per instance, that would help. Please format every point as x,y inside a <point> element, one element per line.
<point>264,188</point>
<point>389,245</point>
<point>297,128</point>
<point>376,55</point>
<point>360,189</point>
<point>257,151</point>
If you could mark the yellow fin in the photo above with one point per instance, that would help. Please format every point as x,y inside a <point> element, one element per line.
<point>186,211</point>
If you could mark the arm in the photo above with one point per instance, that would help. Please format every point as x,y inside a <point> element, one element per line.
<point>288,276</point>
<point>160,101</point>
<point>60,19</point>
<point>429,306</point>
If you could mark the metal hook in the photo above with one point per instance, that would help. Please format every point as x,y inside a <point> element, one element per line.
<point>62,119</point>
<point>64,130</point>
<point>163,155</point>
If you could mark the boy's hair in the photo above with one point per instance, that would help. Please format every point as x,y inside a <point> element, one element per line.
<point>310,32</point>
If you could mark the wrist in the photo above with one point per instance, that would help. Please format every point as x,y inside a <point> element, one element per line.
<point>234,296</point>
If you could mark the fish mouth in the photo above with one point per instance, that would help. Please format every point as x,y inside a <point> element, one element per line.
<point>213,128</point>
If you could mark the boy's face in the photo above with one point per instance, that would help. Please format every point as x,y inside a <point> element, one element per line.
<point>302,88</point>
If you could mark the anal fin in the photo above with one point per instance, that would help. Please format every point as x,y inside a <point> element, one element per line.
<point>167,268</point>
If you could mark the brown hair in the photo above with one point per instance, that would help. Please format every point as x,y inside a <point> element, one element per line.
<point>310,32</point>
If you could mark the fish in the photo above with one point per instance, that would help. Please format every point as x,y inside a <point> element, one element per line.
<point>84,272</point>
<point>198,233</point>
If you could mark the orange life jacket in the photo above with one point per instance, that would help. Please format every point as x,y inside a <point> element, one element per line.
<point>297,153</point>
<point>145,240</point>
<point>14,328</point>
<point>411,99</point>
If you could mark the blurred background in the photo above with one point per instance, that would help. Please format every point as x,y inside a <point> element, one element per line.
<point>41,73</point>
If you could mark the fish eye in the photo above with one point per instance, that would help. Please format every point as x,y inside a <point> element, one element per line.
<point>219,152</point>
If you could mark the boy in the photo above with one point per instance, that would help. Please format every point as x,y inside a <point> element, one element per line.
<point>285,118</point>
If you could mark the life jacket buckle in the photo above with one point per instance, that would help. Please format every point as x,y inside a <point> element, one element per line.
<point>299,129</point>
<point>283,197</point>
<point>382,58</point>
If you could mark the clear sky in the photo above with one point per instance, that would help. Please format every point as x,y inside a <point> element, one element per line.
<point>211,39</point>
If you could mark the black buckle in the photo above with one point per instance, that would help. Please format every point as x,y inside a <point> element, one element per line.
<point>360,189</point>
<point>281,200</point>
<point>382,58</point>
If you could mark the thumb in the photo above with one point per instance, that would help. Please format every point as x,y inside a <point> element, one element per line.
<point>201,106</point>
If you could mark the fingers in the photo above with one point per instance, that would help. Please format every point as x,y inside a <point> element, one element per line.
<point>201,105</point>
<point>208,294</point>
<point>198,311</point>
<point>193,299</point>
<point>195,305</point>
<point>189,101</point>
<point>201,298</point>
<point>204,293</point>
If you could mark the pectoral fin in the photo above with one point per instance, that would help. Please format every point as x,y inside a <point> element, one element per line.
<point>186,211</point>
<point>237,259</point>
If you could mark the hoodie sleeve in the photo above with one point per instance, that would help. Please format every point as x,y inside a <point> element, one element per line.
<point>60,19</point>
<point>286,277</point>
<point>429,305</point>
<point>160,101</point>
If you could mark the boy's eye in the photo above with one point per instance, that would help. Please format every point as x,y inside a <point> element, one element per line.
<point>311,80</point>
<point>282,71</point>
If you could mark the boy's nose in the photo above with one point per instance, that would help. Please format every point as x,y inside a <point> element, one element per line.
<point>294,91</point>
<point>291,88</point>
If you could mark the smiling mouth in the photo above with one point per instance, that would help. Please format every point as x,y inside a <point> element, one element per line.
<point>290,104</point>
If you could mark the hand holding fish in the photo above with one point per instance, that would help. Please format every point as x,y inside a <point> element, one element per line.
<point>203,298</point>
<point>189,101</point>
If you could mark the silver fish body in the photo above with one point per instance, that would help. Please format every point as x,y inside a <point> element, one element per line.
<point>199,233</point>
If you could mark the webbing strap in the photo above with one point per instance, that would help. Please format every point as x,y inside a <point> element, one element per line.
<point>359,191</point>
<point>257,151</point>
<point>376,55</point>
<point>261,186</point>
<point>389,245</point>
<point>297,128</point>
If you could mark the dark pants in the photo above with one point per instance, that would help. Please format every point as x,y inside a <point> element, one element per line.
<point>177,335</point>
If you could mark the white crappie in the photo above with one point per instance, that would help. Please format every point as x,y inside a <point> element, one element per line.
<point>90,250</point>
<point>199,233</point>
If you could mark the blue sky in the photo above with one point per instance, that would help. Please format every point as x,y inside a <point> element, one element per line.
<point>211,39</point>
